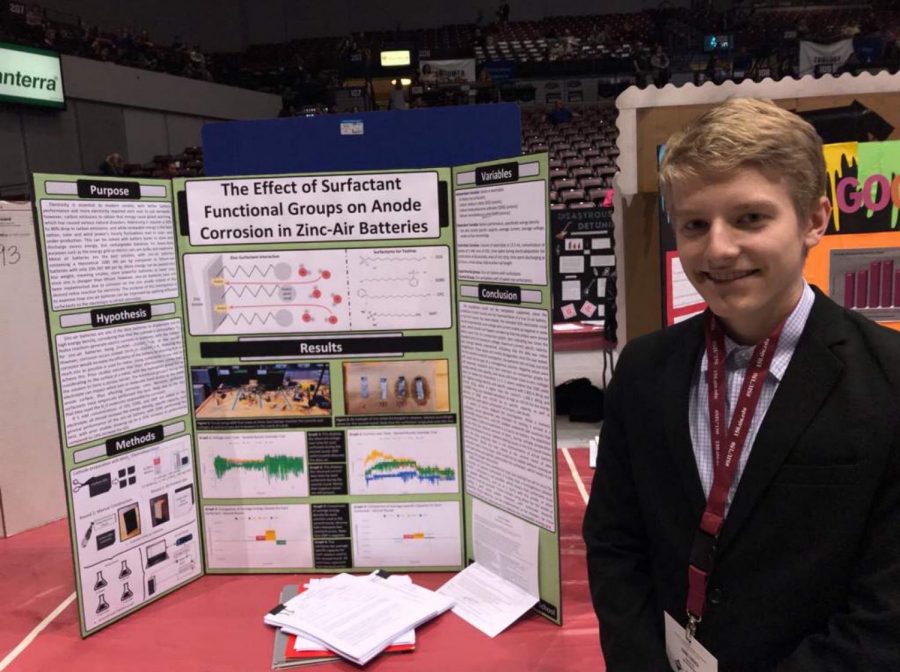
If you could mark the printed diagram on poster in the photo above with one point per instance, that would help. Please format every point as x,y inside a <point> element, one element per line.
<point>136,529</point>
<point>403,461</point>
<point>318,290</point>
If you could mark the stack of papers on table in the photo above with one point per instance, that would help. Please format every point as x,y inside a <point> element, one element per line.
<point>292,651</point>
<point>357,617</point>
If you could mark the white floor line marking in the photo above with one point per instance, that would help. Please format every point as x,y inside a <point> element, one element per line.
<point>575,475</point>
<point>34,633</point>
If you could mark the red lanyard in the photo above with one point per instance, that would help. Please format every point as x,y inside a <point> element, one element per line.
<point>727,446</point>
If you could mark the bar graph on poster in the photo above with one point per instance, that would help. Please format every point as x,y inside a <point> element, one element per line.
<point>867,280</point>
<point>258,537</point>
<point>407,534</point>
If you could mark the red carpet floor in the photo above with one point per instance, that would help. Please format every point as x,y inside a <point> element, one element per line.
<point>215,623</point>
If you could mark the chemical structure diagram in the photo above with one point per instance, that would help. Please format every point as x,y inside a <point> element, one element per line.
<point>401,287</point>
<point>288,291</point>
<point>295,297</point>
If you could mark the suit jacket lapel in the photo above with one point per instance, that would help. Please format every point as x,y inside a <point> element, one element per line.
<point>809,378</point>
<point>676,389</point>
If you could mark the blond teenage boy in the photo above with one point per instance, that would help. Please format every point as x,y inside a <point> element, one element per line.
<point>745,511</point>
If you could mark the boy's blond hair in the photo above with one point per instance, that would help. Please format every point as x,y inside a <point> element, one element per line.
<point>748,133</point>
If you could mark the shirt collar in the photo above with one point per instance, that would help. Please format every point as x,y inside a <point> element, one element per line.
<point>737,355</point>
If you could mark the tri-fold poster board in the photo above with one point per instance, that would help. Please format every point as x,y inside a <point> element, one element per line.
<point>300,373</point>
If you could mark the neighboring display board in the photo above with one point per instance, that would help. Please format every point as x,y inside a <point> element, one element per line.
<point>584,267</point>
<point>276,360</point>
<point>857,262</point>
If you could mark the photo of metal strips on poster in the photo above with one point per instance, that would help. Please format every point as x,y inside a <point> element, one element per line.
<point>284,352</point>
<point>322,346</point>
<point>504,290</point>
<point>857,263</point>
<point>115,324</point>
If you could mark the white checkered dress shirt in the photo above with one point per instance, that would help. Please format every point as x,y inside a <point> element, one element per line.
<point>736,360</point>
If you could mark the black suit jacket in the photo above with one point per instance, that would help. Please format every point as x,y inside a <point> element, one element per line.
<point>807,571</point>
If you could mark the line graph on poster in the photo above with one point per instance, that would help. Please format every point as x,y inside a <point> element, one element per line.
<point>401,461</point>
<point>253,464</point>
<point>316,291</point>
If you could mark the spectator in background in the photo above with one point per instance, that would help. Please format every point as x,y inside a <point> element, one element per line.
<point>570,44</point>
<point>50,38</point>
<point>398,97</point>
<point>34,17</point>
<point>113,165</point>
<point>170,169</point>
<point>503,13</point>
<point>287,111</point>
<point>598,36</point>
<point>642,68</point>
<point>485,87</point>
<point>660,63</point>
<point>560,114</point>
<point>124,47</point>
<point>428,77</point>
<point>197,65</point>
<point>101,46</point>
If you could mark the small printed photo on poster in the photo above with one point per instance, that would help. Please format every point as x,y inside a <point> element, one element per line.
<point>571,264</point>
<point>261,391</point>
<point>571,290</point>
<point>574,244</point>
<point>607,260</point>
<point>129,521</point>
<point>588,309</point>
<point>867,280</point>
<point>404,386</point>
<point>159,509</point>
<point>568,311</point>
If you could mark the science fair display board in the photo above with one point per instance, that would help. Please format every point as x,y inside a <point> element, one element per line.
<point>857,262</point>
<point>298,373</point>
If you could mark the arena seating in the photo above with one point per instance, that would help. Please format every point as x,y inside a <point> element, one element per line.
<point>582,153</point>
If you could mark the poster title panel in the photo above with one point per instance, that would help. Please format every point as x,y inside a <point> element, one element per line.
<point>313,209</point>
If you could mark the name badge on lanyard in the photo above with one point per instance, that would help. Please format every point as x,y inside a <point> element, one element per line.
<point>686,655</point>
<point>727,447</point>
